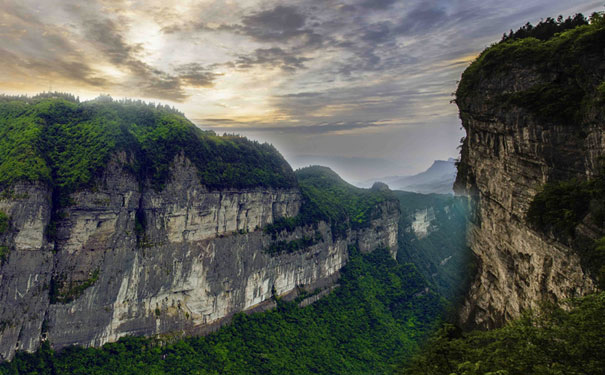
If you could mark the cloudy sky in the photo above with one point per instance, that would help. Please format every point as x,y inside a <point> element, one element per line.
<point>361,85</point>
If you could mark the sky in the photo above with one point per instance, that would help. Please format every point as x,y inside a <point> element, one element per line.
<point>363,86</point>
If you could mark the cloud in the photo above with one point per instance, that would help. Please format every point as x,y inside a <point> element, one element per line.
<point>421,20</point>
<point>107,36</point>
<point>277,24</point>
<point>33,50</point>
<point>312,129</point>
<point>377,4</point>
<point>272,57</point>
<point>195,75</point>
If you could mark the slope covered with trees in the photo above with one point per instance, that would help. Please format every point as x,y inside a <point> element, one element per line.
<point>58,140</point>
<point>327,197</point>
<point>551,340</point>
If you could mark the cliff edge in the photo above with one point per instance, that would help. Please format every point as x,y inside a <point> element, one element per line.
<point>532,108</point>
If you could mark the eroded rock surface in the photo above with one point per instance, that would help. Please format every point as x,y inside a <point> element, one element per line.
<point>125,259</point>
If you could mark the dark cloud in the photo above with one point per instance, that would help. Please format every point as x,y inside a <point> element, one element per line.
<point>318,128</point>
<point>107,36</point>
<point>281,24</point>
<point>377,4</point>
<point>422,19</point>
<point>378,32</point>
<point>50,69</point>
<point>195,75</point>
<point>272,57</point>
<point>277,24</point>
<point>41,51</point>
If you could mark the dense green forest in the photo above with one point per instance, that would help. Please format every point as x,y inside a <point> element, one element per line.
<point>371,323</point>
<point>551,340</point>
<point>442,256</point>
<point>56,139</point>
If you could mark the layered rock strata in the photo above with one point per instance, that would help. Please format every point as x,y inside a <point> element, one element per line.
<point>125,259</point>
<point>507,156</point>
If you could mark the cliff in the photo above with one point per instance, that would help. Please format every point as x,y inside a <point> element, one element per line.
<point>532,108</point>
<point>132,251</point>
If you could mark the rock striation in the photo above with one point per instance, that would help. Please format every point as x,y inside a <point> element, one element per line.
<point>512,148</point>
<point>123,258</point>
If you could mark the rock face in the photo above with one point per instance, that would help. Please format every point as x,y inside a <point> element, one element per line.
<point>507,155</point>
<point>126,259</point>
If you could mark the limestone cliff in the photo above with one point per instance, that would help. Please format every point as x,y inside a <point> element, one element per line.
<point>125,258</point>
<point>532,116</point>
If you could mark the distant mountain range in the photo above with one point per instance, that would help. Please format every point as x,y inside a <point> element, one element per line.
<point>439,178</point>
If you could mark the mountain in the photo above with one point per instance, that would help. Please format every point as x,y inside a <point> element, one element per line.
<point>124,219</point>
<point>532,163</point>
<point>438,179</point>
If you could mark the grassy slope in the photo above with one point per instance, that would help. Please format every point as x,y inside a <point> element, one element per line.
<point>373,321</point>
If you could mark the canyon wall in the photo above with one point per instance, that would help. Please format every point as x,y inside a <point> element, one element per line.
<point>125,259</point>
<point>511,150</point>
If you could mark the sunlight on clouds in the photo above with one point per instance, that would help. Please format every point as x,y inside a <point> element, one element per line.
<point>329,77</point>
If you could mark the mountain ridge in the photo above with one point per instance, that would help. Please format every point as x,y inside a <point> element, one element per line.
<point>437,179</point>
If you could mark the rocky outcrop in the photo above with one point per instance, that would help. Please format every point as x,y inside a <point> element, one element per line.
<point>508,154</point>
<point>126,259</point>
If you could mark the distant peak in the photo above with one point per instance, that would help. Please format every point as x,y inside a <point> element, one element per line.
<point>380,186</point>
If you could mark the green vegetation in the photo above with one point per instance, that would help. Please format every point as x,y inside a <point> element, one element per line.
<point>56,139</point>
<point>563,53</point>
<point>442,256</point>
<point>373,321</point>
<point>60,294</point>
<point>4,250</point>
<point>550,340</point>
<point>281,246</point>
<point>329,198</point>
<point>4,219</point>
<point>547,28</point>
<point>561,206</point>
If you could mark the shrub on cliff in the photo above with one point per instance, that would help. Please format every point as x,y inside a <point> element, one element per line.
<point>3,222</point>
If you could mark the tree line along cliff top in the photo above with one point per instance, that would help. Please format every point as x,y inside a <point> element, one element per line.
<point>565,55</point>
<point>56,139</point>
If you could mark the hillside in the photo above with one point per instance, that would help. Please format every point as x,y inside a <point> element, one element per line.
<point>58,140</point>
